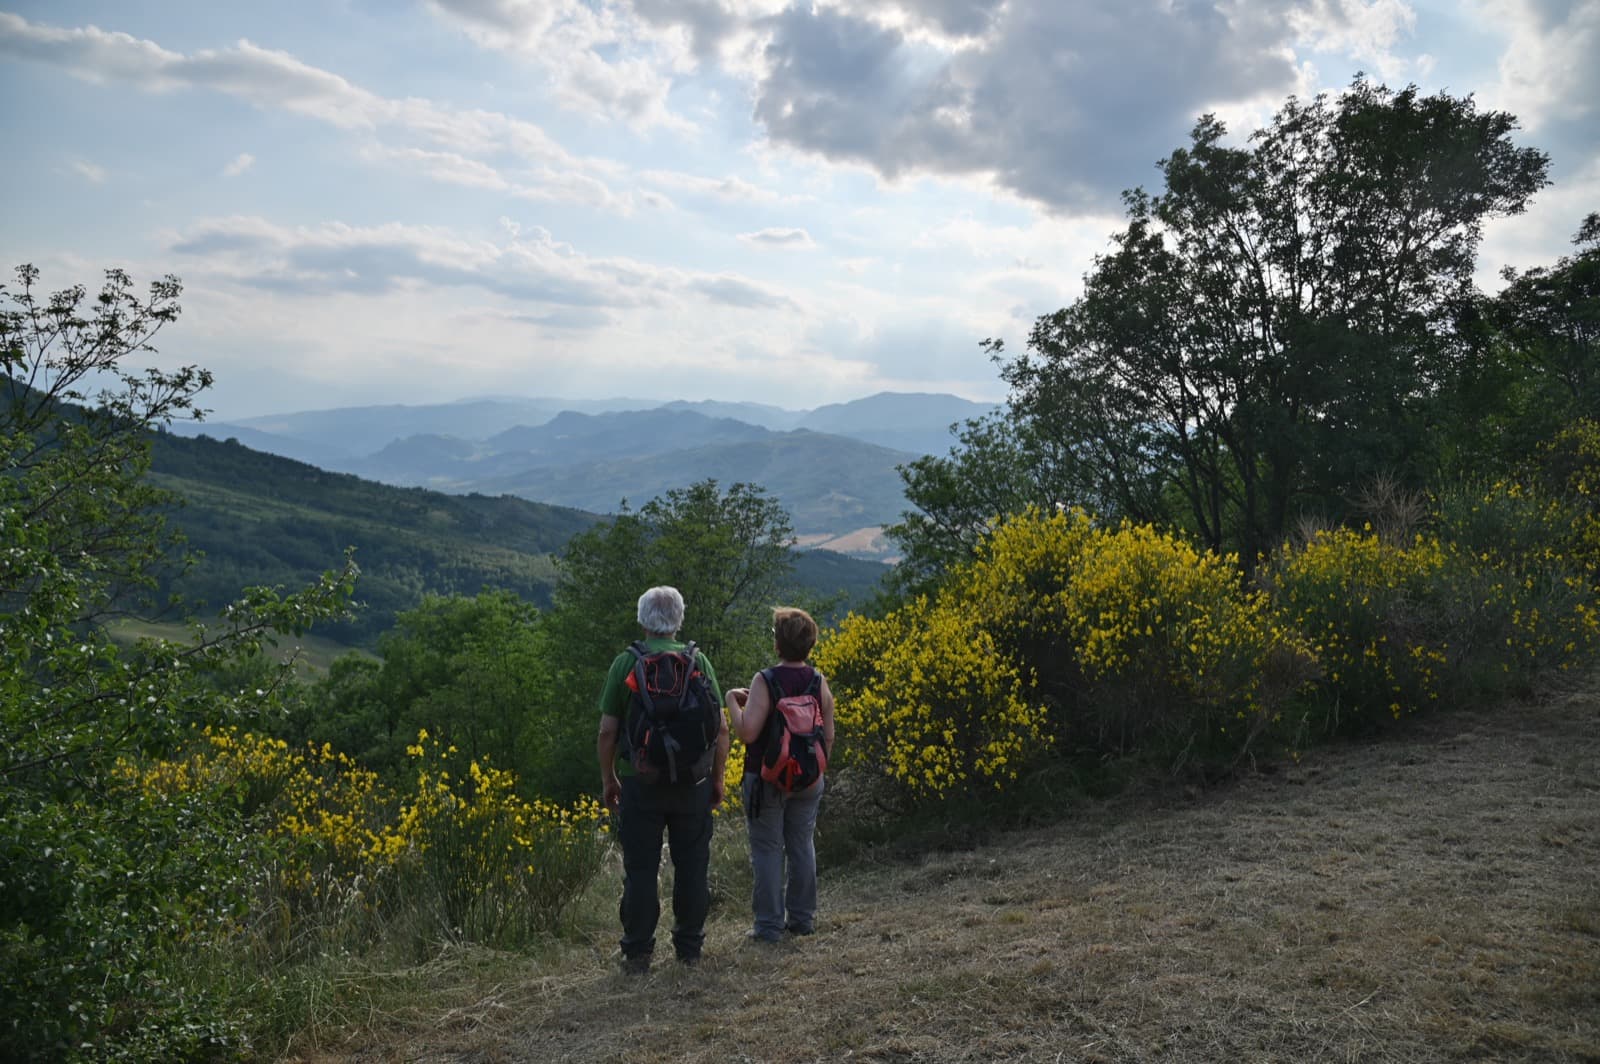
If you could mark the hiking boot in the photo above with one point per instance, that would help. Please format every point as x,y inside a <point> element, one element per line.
<point>753,935</point>
<point>639,965</point>
<point>799,929</point>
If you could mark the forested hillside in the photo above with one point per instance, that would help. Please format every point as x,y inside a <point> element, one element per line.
<point>261,519</point>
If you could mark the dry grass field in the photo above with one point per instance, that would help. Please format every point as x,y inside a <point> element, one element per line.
<point>1434,896</point>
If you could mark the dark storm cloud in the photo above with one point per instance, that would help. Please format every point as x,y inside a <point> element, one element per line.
<point>1067,101</point>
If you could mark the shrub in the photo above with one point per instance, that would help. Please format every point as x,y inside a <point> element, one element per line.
<point>109,907</point>
<point>925,698</point>
<point>1069,635</point>
<point>484,864</point>
<point>1371,610</point>
<point>1531,576</point>
<point>348,862</point>
<point>1135,638</point>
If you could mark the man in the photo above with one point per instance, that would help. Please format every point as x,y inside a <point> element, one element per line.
<point>682,808</point>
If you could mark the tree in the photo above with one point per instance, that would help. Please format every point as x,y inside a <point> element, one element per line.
<point>1549,321</point>
<point>998,466</point>
<point>103,889</point>
<point>471,671</point>
<point>1275,326</point>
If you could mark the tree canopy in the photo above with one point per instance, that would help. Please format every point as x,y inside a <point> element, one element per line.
<point>1270,329</point>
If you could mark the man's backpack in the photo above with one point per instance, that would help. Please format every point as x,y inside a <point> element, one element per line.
<point>796,754</point>
<point>673,719</point>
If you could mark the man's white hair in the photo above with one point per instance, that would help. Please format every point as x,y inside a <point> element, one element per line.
<point>661,611</point>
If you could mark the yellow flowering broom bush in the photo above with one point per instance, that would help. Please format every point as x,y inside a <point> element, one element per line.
<point>488,865</point>
<point>462,848</point>
<point>1134,636</point>
<point>1068,634</point>
<point>924,697</point>
<point>1530,562</point>
<point>1371,610</point>
<point>332,818</point>
<point>1569,468</point>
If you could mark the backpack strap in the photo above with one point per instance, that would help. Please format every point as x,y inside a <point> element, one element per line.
<point>643,691</point>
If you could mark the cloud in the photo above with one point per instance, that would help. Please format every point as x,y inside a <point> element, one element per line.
<point>596,62</point>
<point>1364,30</point>
<point>95,175</point>
<point>440,140</point>
<point>1063,101</point>
<point>531,268</point>
<point>567,318</point>
<point>241,162</point>
<point>779,238</point>
<point>1549,76</point>
<point>734,292</point>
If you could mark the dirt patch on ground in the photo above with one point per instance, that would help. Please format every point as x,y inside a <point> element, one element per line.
<point>1430,897</point>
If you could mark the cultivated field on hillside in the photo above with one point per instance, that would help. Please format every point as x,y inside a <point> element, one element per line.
<point>1431,897</point>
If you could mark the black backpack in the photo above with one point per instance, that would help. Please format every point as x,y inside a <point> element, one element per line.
<point>673,720</point>
<point>796,754</point>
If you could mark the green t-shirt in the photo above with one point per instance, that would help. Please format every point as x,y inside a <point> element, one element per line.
<point>614,696</point>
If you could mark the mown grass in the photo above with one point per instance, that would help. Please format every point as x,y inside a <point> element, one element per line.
<point>1431,897</point>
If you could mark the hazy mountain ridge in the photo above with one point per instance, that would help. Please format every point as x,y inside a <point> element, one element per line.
<point>833,467</point>
<point>827,483</point>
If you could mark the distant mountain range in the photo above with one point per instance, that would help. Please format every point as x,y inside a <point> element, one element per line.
<point>262,519</point>
<point>834,468</point>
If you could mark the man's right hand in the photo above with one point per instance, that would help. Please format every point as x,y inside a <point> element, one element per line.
<point>611,792</point>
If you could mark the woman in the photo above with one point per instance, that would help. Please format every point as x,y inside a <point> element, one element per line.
<point>782,824</point>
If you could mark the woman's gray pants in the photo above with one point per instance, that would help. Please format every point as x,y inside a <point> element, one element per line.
<point>782,827</point>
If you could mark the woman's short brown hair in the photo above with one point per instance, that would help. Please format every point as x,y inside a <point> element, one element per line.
<point>795,633</point>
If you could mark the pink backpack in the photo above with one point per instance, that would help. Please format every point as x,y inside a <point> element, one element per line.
<point>796,754</point>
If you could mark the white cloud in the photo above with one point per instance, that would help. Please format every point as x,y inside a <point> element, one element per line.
<point>779,238</point>
<point>597,60</point>
<point>95,175</point>
<point>275,80</point>
<point>1549,71</point>
<point>241,162</point>
<point>532,267</point>
<point>1366,31</point>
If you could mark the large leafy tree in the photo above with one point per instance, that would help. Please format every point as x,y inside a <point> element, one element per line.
<point>1273,327</point>
<point>1000,465</point>
<point>470,671</point>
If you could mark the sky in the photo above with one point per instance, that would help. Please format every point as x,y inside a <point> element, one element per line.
<point>409,201</point>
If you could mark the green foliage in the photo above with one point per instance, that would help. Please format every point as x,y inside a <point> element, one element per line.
<point>1275,327</point>
<point>258,518</point>
<point>470,670</point>
<point>1000,466</point>
<point>105,897</point>
<point>104,903</point>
